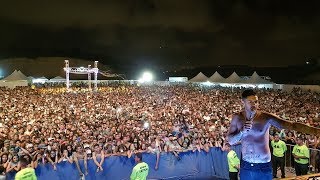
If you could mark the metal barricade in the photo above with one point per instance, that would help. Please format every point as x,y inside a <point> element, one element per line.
<point>314,160</point>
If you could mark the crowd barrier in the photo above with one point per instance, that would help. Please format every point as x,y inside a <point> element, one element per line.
<point>191,165</point>
<point>314,158</point>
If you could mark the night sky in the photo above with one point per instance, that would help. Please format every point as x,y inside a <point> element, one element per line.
<point>163,33</point>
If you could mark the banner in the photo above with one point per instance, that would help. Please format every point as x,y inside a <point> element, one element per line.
<point>212,165</point>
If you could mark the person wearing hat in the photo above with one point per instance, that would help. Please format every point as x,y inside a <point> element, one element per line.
<point>301,156</point>
<point>279,148</point>
<point>233,162</point>
<point>141,170</point>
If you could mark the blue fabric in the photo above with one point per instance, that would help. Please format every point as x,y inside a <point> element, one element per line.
<point>254,171</point>
<point>192,165</point>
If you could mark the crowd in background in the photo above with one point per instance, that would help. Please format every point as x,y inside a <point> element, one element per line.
<point>50,125</point>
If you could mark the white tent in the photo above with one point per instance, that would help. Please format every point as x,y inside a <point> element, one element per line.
<point>199,78</point>
<point>57,79</point>
<point>216,77</point>
<point>256,79</point>
<point>233,78</point>
<point>40,80</point>
<point>17,78</point>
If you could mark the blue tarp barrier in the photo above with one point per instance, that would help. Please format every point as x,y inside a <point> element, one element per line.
<point>192,165</point>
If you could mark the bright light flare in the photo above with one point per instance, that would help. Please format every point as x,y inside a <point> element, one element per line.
<point>146,125</point>
<point>146,77</point>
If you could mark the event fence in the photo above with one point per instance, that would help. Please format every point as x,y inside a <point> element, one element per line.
<point>192,165</point>
<point>212,165</point>
<point>314,159</point>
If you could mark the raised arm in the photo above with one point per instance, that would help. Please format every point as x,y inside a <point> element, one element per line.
<point>280,123</point>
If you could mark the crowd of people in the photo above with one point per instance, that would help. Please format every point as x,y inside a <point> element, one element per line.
<point>50,125</point>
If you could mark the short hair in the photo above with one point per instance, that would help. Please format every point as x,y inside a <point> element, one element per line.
<point>298,138</point>
<point>248,92</point>
<point>24,162</point>
<point>139,155</point>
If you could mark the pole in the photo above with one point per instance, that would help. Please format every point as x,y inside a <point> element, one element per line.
<point>89,77</point>
<point>96,75</point>
<point>67,69</point>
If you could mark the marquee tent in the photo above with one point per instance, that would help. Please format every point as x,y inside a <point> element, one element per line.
<point>199,78</point>
<point>216,78</point>
<point>256,79</point>
<point>16,78</point>
<point>57,79</point>
<point>233,78</point>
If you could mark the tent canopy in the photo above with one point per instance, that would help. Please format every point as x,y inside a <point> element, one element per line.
<point>43,78</point>
<point>256,79</point>
<point>58,78</point>
<point>199,78</point>
<point>233,78</point>
<point>216,77</point>
<point>16,76</point>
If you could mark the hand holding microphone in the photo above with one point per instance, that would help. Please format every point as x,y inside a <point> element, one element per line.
<point>249,122</point>
<point>247,125</point>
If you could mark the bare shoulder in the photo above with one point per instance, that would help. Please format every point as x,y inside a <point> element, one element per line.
<point>237,119</point>
<point>236,116</point>
<point>268,116</point>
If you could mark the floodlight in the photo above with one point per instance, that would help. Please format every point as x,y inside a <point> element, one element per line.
<point>146,77</point>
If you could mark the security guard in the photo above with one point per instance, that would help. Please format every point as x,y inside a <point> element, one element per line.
<point>141,170</point>
<point>233,162</point>
<point>279,148</point>
<point>25,173</point>
<point>301,156</point>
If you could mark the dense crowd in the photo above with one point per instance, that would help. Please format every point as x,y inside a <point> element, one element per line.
<point>50,125</point>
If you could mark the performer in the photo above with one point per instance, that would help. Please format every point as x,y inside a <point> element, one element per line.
<point>251,127</point>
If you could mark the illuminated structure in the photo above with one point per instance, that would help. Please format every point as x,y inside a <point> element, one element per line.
<point>82,70</point>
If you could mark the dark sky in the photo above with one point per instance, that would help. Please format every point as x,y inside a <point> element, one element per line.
<point>165,33</point>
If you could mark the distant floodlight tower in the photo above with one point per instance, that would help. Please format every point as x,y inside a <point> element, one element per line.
<point>89,77</point>
<point>82,70</point>
<point>95,71</point>
<point>67,69</point>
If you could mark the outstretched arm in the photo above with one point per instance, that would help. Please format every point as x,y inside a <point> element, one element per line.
<point>280,123</point>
